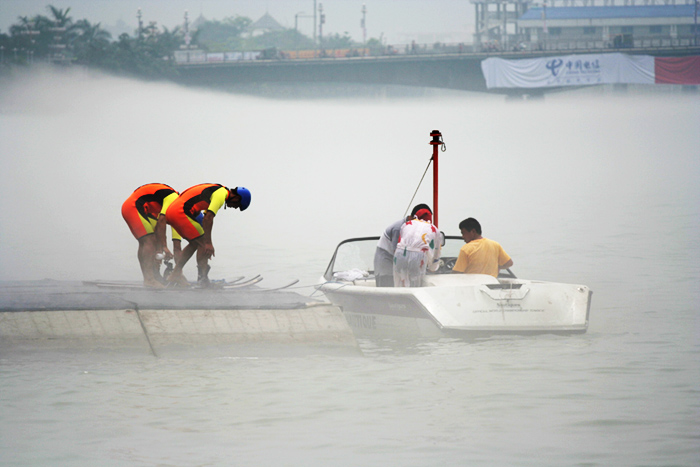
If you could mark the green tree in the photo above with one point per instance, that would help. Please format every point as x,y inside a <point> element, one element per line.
<point>42,36</point>
<point>220,36</point>
<point>60,17</point>
<point>167,42</point>
<point>149,57</point>
<point>336,41</point>
<point>59,38</point>
<point>61,27</point>
<point>375,46</point>
<point>287,39</point>
<point>133,56</point>
<point>24,37</point>
<point>91,43</point>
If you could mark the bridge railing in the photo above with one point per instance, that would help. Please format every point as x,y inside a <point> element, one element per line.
<point>184,57</point>
<point>193,57</point>
<point>614,43</point>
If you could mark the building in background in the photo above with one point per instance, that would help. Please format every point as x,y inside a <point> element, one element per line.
<point>512,25</point>
<point>496,24</point>
<point>596,27</point>
<point>265,24</point>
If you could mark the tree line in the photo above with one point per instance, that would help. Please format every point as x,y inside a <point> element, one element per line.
<point>148,52</point>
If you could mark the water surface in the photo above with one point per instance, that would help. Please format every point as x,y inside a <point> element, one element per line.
<point>599,189</point>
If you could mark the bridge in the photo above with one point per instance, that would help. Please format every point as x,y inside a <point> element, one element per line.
<point>457,71</point>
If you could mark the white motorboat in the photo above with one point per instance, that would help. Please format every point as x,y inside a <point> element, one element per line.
<point>449,304</point>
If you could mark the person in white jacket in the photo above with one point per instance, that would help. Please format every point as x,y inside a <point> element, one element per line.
<point>418,249</point>
<point>384,254</point>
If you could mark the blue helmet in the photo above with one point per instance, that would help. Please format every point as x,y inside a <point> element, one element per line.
<point>245,196</point>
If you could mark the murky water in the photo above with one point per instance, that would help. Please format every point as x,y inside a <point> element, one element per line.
<point>594,189</point>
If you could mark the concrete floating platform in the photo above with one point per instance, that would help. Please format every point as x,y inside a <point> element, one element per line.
<point>228,322</point>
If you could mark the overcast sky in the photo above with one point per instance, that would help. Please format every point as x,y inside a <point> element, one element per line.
<point>400,21</point>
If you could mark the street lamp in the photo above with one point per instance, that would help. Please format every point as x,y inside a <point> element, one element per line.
<point>363,24</point>
<point>545,31</point>
<point>188,38</point>
<point>321,21</point>
<point>314,21</point>
<point>187,30</point>
<point>140,30</point>
<point>695,32</point>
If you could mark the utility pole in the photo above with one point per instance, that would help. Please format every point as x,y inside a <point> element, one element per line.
<point>314,21</point>
<point>188,39</point>
<point>302,14</point>
<point>545,31</point>
<point>321,21</point>
<point>363,23</point>
<point>696,23</point>
<point>140,30</point>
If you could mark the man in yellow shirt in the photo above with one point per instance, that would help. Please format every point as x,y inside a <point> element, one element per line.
<point>480,255</point>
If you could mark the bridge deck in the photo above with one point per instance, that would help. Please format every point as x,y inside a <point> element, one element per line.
<point>459,71</point>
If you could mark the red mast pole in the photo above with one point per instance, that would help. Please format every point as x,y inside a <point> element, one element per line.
<point>435,142</point>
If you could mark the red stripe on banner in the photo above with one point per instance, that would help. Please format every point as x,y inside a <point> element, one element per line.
<point>677,70</point>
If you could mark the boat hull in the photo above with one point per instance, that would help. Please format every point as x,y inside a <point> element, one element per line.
<point>462,305</point>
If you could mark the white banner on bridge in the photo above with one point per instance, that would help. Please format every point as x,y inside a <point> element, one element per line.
<point>568,70</point>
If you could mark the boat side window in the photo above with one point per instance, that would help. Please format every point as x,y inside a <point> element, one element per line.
<point>355,254</point>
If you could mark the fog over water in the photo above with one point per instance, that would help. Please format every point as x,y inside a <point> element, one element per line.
<point>585,187</point>
<point>75,145</point>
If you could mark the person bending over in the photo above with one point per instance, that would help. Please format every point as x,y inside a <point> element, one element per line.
<point>418,249</point>
<point>182,215</point>
<point>144,213</point>
<point>384,254</point>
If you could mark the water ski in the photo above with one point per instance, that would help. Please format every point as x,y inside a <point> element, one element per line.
<point>247,283</point>
<point>277,288</point>
<point>117,285</point>
<point>216,284</point>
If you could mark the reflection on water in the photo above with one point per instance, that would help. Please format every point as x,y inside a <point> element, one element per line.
<point>600,190</point>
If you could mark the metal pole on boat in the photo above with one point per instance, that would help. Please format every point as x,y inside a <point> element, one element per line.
<point>435,142</point>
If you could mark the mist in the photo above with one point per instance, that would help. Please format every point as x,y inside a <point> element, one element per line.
<point>75,144</point>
